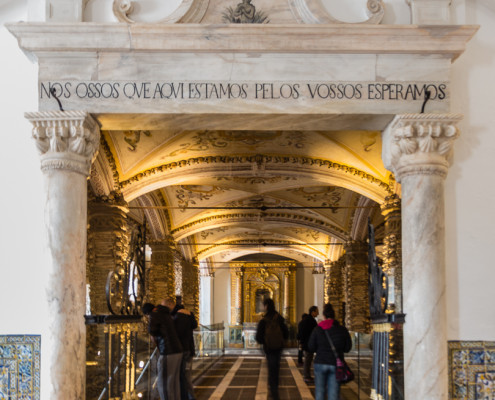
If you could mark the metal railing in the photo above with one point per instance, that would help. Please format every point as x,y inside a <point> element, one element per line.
<point>210,346</point>
<point>117,348</point>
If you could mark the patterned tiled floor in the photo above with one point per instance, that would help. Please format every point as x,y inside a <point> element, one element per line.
<point>244,378</point>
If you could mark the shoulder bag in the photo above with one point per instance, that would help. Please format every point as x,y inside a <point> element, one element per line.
<point>343,373</point>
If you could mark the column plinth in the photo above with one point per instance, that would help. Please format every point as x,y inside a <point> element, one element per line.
<point>68,143</point>
<point>417,148</point>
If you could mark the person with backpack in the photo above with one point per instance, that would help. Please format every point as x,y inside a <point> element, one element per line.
<point>328,336</point>
<point>272,332</point>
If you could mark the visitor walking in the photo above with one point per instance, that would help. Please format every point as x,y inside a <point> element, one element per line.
<point>162,328</point>
<point>305,328</point>
<point>300,349</point>
<point>325,362</point>
<point>185,323</point>
<point>272,333</point>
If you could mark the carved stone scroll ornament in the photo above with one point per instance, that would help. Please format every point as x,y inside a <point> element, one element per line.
<point>189,11</point>
<point>313,12</point>
<point>65,139</point>
<point>420,144</point>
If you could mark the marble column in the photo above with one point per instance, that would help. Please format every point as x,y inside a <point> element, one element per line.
<point>161,276</point>
<point>68,143</point>
<point>417,149</point>
<point>356,287</point>
<point>392,256</point>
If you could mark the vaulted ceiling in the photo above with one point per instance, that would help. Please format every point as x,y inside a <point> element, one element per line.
<point>222,194</point>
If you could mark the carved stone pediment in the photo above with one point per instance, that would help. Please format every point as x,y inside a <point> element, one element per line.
<point>248,11</point>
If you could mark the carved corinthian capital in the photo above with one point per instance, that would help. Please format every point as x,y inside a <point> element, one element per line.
<point>65,139</point>
<point>420,144</point>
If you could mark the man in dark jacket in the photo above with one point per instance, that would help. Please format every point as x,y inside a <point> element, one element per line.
<point>304,330</point>
<point>272,333</point>
<point>185,323</point>
<point>162,328</point>
<point>325,361</point>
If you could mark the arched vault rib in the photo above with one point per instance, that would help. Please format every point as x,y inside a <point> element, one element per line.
<point>275,217</point>
<point>156,218</point>
<point>323,171</point>
<point>256,247</point>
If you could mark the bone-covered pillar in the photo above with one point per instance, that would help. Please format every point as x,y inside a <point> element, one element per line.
<point>417,149</point>
<point>68,143</point>
<point>162,272</point>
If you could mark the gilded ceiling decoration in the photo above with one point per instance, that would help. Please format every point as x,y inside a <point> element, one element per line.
<point>309,233</point>
<point>133,138</point>
<point>207,140</point>
<point>194,197</point>
<point>205,234</point>
<point>190,195</point>
<point>322,196</point>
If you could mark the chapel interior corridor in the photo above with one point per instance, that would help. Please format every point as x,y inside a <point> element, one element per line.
<point>223,218</point>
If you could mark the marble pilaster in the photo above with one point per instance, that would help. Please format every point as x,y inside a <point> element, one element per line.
<point>356,287</point>
<point>68,143</point>
<point>417,148</point>
<point>161,275</point>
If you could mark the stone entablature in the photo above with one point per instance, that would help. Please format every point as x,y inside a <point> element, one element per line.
<point>354,69</point>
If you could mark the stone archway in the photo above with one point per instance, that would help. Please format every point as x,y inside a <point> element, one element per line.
<point>416,146</point>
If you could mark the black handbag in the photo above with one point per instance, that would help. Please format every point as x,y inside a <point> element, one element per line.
<point>342,372</point>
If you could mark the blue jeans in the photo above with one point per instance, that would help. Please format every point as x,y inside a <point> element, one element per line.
<point>325,379</point>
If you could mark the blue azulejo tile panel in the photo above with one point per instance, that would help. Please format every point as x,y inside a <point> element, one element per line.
<point>20,367</point>
<point>471,370</point>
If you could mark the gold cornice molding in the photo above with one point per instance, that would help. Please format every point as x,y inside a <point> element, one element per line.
<point>449,40</point>
<point>183,231</point>
<point>256,243</point>
<point>298,164</point>
<point>105,147</point>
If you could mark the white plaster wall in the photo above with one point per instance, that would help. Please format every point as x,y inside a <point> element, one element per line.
<point>304,291</point>
<point>221,298</point>
<point>470,189</point>
<point>23,306</point>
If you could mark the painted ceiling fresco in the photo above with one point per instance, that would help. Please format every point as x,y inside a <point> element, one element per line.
<point>225,211</point>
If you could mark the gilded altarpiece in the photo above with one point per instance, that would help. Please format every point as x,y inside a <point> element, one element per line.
<point>252,282</point>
